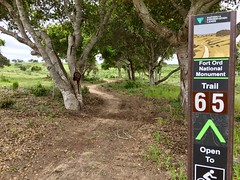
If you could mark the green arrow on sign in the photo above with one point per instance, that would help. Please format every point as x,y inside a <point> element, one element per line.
<point>211,124</point>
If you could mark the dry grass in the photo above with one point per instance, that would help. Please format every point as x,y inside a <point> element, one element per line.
<point>219,46</point>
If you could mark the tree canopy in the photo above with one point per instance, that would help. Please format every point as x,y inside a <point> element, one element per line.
<point>71,30</point>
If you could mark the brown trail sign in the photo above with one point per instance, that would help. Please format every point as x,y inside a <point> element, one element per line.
<point>212,60</point>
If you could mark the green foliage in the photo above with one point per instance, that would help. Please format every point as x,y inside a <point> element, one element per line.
<point>3,61</point>
<point>153,153</point>
<point>129,84</point>
<point>157,136</point>
<point>163,91</point>
<point>36,68</point>
<point>6,102</point>
<point>39,90</point>
<point>236,171</point>
<point>2,42</point>
<point>85,91</point>
<point>177,173</point>
<point>93,79</point>
<point>22,67</point>
<point>15,86</point>
<point>238,117</point>
<point>4,79</point>
<point>59,35</point>
<point>236,151</point>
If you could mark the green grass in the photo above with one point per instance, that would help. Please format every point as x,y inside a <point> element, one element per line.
<point>13,73</point>
<point>164,91</point>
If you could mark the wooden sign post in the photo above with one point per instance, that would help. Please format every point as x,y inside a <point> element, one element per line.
<point>211,95</point>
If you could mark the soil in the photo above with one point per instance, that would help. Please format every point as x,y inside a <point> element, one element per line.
<point>108,139</point>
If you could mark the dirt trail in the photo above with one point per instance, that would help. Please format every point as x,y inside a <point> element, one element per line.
<point>112,103</point>
<point>206,52</point>
<point>109,145</point>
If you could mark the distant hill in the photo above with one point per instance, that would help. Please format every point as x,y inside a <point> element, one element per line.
<point>223,32</point>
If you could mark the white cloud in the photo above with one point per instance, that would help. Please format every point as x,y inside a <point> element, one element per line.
<point>16,50</point>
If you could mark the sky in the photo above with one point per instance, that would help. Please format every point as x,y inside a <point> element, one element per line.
<point>210,28</point>
<point>15,50</point>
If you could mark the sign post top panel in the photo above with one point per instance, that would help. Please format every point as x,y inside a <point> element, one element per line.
<point>212,18</point>
<point>211,39</point>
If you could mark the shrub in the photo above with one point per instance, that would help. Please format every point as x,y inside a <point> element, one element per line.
<point>85,90</point>
<point>15,86</point>
<point>39,90</point>
<point>238,117</point>
<point>129,84</point>
<point>6,102</point>
<point>36,68</point>
<point>92,79</point>
<point>4,79</point>
<point>23,68</point>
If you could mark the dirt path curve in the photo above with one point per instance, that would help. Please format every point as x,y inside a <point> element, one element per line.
<point>105,148</point>
<point>112,103</point>
<point>206,52</point>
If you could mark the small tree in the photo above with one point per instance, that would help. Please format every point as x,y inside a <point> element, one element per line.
<point>4,61</point>
<point>86,20</point>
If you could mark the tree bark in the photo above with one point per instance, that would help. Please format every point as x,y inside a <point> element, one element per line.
<point>151,75</point>
<point>182,54</point>
<point>166,77</point>
<point>132,70</point>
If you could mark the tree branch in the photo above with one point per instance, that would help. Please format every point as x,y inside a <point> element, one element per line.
<point>16,18</point>
<point>66,9</point>
<point>205,6</point>
<point>166,77</point>
<point>25,22</point>
<point>97,35</point>
<point>162,57</point>
<point>151,24</point>
<point>19,38</point>
<point>197,7</point>
<point>55,59</point>
<point>77,23</point>
<point>182,11</point>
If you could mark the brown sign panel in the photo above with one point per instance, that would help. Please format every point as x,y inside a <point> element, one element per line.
<point>210,102</point>
<point>211,96</point>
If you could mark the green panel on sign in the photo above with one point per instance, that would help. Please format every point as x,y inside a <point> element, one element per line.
<point>210,124</point>
<point>219,78</point>
<point>211,59</point>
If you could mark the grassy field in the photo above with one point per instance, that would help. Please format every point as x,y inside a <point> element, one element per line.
<point>25,75</point>
<point>218,45</point>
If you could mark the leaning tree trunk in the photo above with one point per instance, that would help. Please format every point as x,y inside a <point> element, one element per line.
<point>132,71</point>
<point>182,54</point>
<point>151,73</point>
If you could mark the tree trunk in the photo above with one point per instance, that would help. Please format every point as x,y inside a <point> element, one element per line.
<point>70,100</point>
<point>119,71</point>
<point>151,73</point>
<point>182,54</point>
<point>132,71</point>
<point>151,77</point>
<point>128,72</point>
